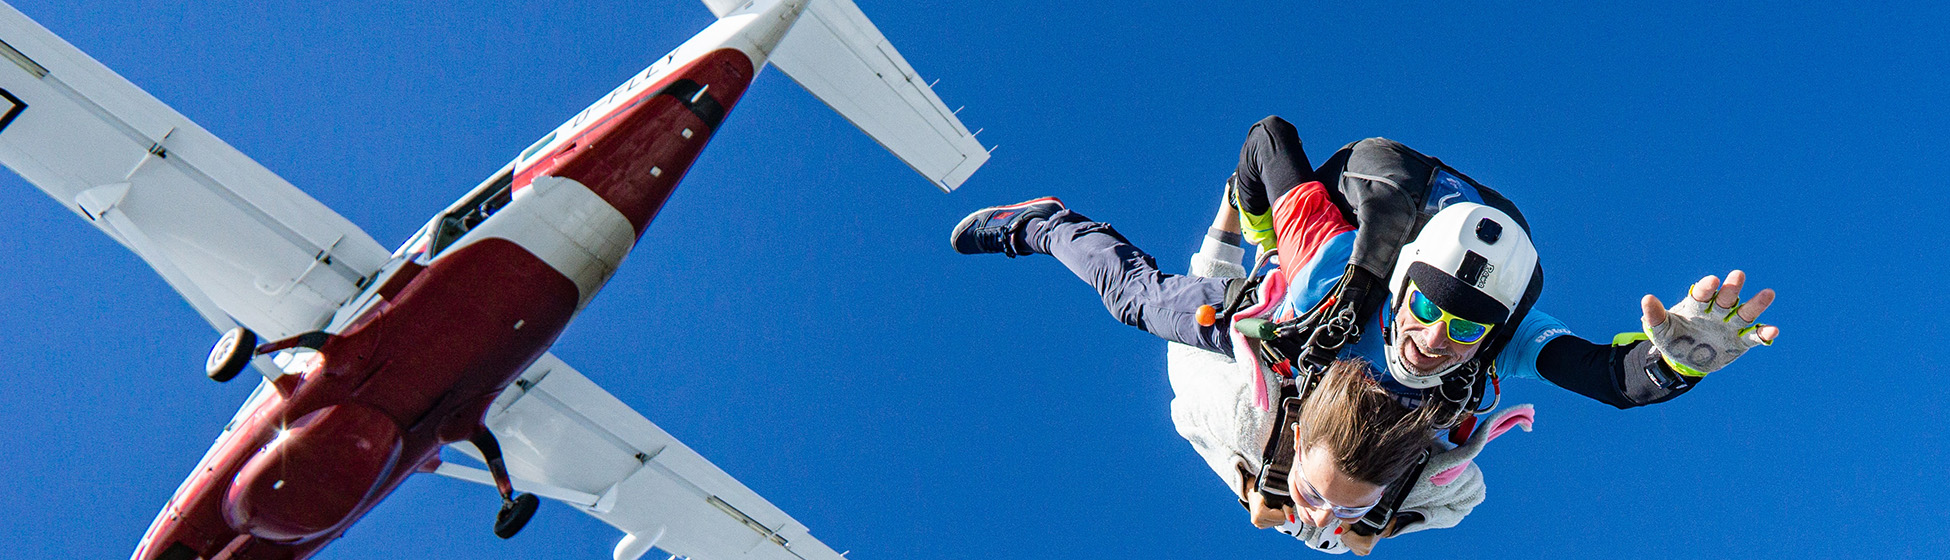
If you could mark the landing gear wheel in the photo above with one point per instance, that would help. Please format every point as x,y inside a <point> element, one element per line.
<point>514,515</point>
<point>231,354</point>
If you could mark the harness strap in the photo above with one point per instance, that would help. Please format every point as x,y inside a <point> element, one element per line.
<point>1239,294</point>
<point>1459,435</point>
<point>1458,395</point>
<point>1377,519</point>
<point>1278,465</point>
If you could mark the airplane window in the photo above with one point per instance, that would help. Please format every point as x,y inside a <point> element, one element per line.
<point>481,204</point>
<point>530,152</point>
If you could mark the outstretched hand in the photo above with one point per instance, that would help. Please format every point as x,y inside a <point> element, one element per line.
<point>1711,327</point>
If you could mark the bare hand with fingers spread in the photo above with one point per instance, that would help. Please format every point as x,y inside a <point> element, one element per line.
<point>1710,328</point>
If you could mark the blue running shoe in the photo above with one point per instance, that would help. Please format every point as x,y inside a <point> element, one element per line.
<point>998,229</point>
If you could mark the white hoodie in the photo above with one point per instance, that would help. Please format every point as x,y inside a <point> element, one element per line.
<point>1213,409</point>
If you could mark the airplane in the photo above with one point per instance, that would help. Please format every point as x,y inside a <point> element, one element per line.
<point>372,361</point>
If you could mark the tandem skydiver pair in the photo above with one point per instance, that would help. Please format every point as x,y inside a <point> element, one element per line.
<point>1436,269</point>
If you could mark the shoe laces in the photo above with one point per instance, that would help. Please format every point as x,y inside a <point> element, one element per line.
<point>996,237</point>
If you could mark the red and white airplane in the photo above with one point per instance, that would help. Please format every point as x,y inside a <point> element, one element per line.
<point>373,361</point>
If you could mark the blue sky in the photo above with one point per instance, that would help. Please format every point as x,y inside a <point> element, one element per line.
<point>906,402</point>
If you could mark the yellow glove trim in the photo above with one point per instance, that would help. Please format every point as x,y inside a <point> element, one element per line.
<point>1681,368</point>
<point>1625,338</point>
<point>1755,327</point>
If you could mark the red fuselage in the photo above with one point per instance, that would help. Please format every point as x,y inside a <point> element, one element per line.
<point>417,371</point>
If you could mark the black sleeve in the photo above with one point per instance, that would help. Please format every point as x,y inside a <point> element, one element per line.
<point>1621,376</point>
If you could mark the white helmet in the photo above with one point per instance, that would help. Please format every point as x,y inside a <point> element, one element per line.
<point>1471,259</point>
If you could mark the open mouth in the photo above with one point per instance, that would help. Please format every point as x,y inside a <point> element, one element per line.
<point>1420,357</point>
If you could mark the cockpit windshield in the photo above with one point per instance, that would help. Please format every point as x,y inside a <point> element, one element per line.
<point>483,202</point>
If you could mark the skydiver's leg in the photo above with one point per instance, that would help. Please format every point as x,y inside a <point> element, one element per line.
<point>1271,161</point>
<point>1133,289</point>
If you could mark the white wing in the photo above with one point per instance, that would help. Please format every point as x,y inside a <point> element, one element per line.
<point>838,55</point>
<point>565,438</point>
<point>235,239</point>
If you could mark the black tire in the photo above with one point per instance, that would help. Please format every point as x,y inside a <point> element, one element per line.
<point>231,354</point>
<point>515,514</point>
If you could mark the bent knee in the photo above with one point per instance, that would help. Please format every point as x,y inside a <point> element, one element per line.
<point>1273,123</point>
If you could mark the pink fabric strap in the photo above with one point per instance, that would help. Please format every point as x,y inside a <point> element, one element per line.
<point>1502,424</point>
<point>1271,290</point>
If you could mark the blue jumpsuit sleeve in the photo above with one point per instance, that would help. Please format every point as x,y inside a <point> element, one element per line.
<point>1519,359</point>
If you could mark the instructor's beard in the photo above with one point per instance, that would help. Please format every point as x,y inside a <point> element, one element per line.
<point>1433,363</point>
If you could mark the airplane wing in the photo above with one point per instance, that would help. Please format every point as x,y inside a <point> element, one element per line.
<point>235,239</point>
<point>836,53</point>
<point>567,439</point>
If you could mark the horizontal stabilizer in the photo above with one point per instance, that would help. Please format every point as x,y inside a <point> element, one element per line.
<point>721,7</point>
<point>835,53</point>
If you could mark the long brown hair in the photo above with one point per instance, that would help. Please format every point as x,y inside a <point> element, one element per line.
<point>1371,436</point>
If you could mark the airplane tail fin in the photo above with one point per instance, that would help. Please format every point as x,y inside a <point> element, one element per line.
<point>837,54</point>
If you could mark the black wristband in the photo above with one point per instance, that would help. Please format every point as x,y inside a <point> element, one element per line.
<point>1663,375</point>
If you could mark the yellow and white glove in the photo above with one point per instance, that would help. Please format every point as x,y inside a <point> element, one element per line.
<point>1710,328</point>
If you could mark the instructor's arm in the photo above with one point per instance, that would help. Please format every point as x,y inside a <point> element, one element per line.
<point>1700,335</point>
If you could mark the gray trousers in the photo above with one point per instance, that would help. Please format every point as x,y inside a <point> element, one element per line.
<point>1271,161</point>
<point>1133,289</point>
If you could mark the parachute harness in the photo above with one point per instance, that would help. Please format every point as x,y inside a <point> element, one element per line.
<point>1302,349</point>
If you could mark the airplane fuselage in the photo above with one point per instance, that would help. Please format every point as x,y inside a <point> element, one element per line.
<point>481,293</point>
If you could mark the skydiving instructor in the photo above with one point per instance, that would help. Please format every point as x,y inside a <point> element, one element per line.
<point>1437,271</point>
<point>1389,190</point>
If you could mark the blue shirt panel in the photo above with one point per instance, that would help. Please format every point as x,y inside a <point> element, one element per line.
<point>1447,189</point>
<point>1519,357</point>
